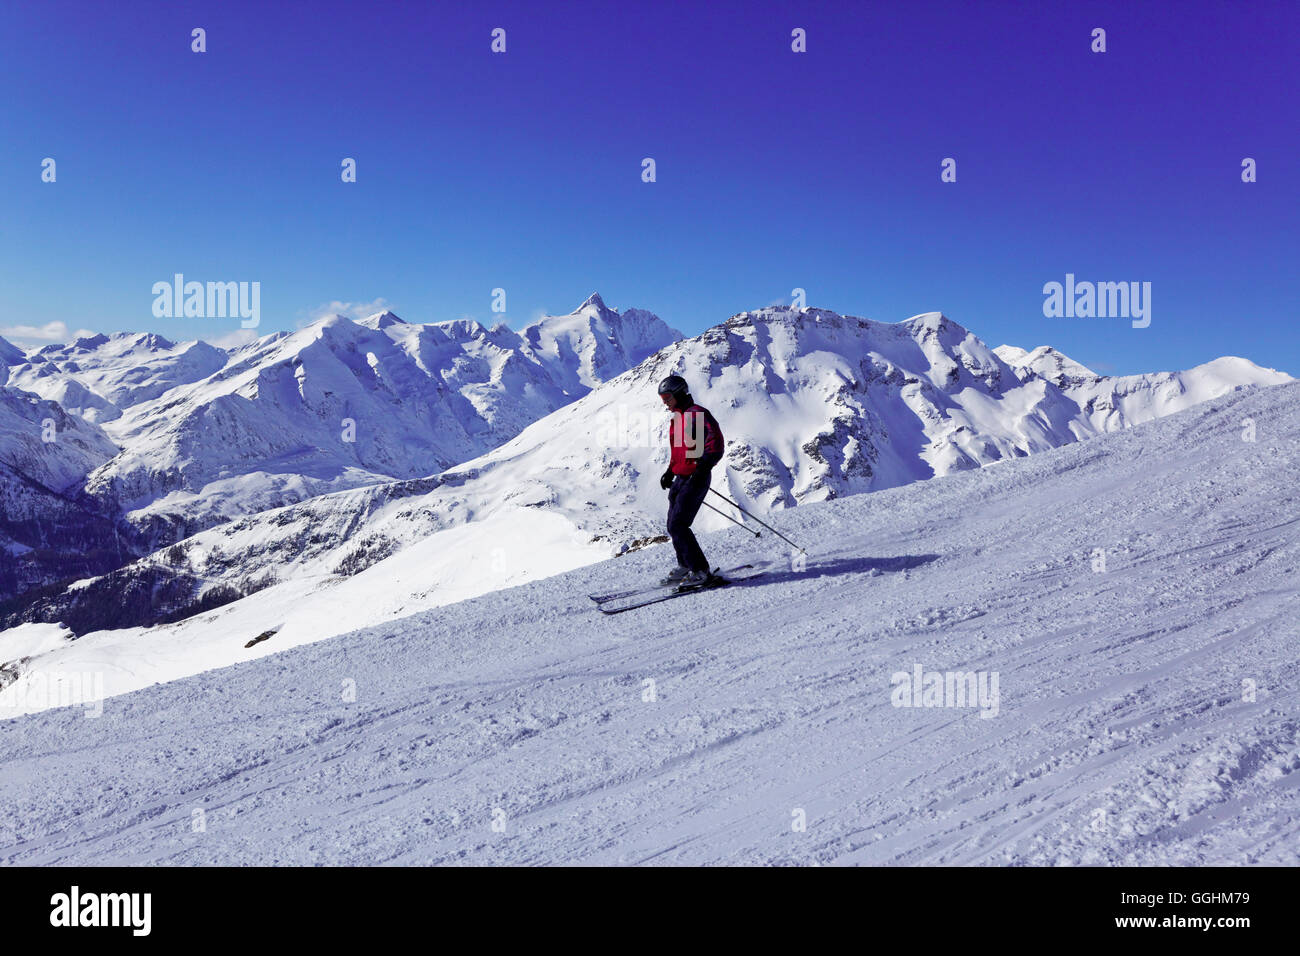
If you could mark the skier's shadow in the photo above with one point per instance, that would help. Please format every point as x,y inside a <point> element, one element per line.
<point>836,566</point>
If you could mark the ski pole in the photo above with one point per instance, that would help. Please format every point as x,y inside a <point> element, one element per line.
<point>759,520</point>
<point>729,518</point>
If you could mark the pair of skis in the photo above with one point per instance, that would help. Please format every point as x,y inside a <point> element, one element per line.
<point>621,601</point>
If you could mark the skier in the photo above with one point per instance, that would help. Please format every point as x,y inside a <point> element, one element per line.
<point>695,446</point>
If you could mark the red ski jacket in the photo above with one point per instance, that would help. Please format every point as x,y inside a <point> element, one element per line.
<point>694,439</point>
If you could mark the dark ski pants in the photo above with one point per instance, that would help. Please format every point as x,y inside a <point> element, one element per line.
<point>684,500</point>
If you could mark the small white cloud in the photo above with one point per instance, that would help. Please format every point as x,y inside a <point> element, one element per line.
<point>353,310</point>
<point>232,340</point>
<point>31,336</point>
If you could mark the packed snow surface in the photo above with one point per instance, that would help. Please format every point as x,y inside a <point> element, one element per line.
<point>1134,595</point>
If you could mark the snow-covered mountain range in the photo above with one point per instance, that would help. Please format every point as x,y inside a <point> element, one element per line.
<point>207,435</point>
<point>815,406</point>
<point>189,435</point>
<point>100,376</point>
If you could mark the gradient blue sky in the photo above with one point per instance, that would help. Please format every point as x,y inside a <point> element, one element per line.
<point>775,169</point>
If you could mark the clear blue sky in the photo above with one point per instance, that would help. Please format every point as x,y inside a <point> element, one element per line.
<point>775,169</point>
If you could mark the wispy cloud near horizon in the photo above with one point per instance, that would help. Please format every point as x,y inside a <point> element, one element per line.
<point>231,340</point>
<point>31,336</point>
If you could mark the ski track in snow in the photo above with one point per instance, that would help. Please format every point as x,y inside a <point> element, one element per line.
<point>1120,692</point>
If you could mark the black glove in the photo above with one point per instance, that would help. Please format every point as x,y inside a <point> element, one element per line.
<point>666,479</point>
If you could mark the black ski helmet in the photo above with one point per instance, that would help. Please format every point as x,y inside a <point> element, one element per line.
<point>673,385</point>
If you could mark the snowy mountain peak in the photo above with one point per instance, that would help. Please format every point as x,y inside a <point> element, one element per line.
<point>594,343</point>
<point>593,301</point>
<point>462,329</point>
<point>1011,354</point>
<point>938,325</point>
<point>151,341</point>
<point>382,320</point>
<point>332,321</point>
<point>1046,363</point>
<point>1235,365</point>
<point>89,342</point>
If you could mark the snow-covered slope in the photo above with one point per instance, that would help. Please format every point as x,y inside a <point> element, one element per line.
<point>40,440</point>
<point>45,535</point>
<point>1135,596</point>
<point>10,354</point>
